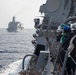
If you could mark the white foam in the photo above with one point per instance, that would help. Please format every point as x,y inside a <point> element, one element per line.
<point>14,68</point>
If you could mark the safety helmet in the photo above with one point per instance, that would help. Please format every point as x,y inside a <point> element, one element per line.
<point>60,28</point>
<point>73,26</point>
<point>66,29</point>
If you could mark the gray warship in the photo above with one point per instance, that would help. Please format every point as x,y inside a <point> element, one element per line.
<point>55,12</point>
<point>14,26</point>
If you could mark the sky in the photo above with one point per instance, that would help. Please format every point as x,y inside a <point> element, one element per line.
<point>24,10</point>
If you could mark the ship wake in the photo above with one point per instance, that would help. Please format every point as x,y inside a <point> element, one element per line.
<point>14,68</point>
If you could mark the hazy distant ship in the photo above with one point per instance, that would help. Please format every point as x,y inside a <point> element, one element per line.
<point>14,26</point>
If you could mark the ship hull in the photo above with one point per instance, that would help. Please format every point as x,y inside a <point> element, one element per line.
<point>14,30</point>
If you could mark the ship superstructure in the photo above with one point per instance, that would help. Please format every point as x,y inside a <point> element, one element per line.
<point>14,26</point>
<point>56,12</point>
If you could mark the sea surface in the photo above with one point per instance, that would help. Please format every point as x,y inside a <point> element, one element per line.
<point>13,47</point>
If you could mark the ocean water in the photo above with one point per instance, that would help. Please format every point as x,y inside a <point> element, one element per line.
<point>13,47</point>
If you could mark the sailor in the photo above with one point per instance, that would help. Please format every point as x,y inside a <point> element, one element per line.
<point>65,39</point>
<point>68,40</point>
<point>59,32</point>
<point>66,34</point>
<point>72,50</point>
